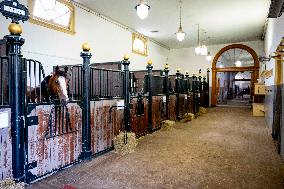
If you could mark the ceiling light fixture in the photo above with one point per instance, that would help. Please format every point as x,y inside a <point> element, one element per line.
<point>142,9</point>
<point>180,34</point>
<point>198,48</point>
<point>209,57</point>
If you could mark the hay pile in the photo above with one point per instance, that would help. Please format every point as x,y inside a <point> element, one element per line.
<point>10,184</point>
<point>168,124</point>
<point>189,117</point>
<point>202,110</point>
<point>125,143</point>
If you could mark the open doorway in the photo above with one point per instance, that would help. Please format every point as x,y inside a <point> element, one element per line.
<point>234,88</point>
<point>235,70</point>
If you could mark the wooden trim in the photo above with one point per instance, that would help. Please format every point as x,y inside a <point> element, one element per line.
<point>254,68</point>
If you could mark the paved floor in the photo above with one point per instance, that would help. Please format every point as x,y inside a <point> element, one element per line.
<point>225,148</point>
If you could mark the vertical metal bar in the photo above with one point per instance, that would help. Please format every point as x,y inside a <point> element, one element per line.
<point>127,125</point>
<point>177,94</point>
<point>15,43</point>
<point>150,99</point>
<point>166,70</point>
<point>100,84</point>
<point>2,86</point>
<point>86,126</point>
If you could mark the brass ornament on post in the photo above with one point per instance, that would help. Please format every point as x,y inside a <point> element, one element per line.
<point>86,47</point>
<point>150,62</point>
<point>15,29</point>
<point>167,66</point>
<point>126,57</point>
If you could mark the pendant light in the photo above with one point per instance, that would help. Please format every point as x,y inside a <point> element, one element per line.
<point>180,34</point>
<point>142,9</point>
<point>198,48</point>
<point>238,63</point>
<point>209,57</point>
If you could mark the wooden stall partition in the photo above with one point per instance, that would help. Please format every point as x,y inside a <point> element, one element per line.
<point>5,144</point>
<point>172,107</point>
<point>157,112</point>
<point>48,153</point>
<point>106,122</point>
<point>139,123</point>
<point>190,102</point>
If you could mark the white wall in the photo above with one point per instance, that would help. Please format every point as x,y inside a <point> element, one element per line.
<point>274,34</point>
<point>186,58</point>
<point>108,41</point>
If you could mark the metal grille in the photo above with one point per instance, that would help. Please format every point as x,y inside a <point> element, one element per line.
<point>106,83</point>
<point>35,85</point>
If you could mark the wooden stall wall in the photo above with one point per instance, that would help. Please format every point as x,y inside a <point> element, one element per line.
<point>157,108</point>
<point>182,105</point>
<point>54,152</point>
<point>172,107</point>
<point>105,124</point>
<point>139,123</point>
<point>5,146</point>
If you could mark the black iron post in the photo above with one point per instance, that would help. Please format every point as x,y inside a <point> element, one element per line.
<point>187,91</point>
<point>150,100</point>
<point>178,75</point>
<point>15,42</point>
<point>126,84</point>
<point>194,89</point>
<point>86,126</point>
<point>208,71</point>
<point>166,70</point>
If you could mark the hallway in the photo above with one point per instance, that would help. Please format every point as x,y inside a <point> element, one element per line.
<point>225,148</point>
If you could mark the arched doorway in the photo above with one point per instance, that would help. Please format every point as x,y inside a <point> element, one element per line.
<point>246,61</point>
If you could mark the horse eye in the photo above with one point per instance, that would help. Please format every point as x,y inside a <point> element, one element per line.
<point>56,81</point>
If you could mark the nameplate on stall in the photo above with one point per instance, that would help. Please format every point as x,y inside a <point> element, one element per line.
<point>4,117</point>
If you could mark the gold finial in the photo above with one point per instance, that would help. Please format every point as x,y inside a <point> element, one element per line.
<point>150,62</point>
<point>193,74</point>
<point>86,47</point>
<point>186,72</point>
<point>178,70</point>
<point>15,29</point>
<point>167,66</point>
<point>126,57</point>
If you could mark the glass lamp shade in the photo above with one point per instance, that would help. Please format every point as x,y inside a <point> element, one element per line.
<point>198,50</point>
<point>209,57</point>
<point>204,50</point>
<point>142,10</point>
<point>238,63</point>
<point>180,35</point>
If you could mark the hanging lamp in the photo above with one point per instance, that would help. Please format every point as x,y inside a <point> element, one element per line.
<point>180,34</point>
<point>198,48</point>
<point>142,9</point>
<point>209,57</point>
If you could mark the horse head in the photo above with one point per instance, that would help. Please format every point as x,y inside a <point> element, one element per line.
<point>58,84</point>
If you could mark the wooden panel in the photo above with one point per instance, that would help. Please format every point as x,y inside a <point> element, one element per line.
<point>139,123</point>
<point>157,111</point>
<point>54,153</point>
<point>172,108</point>
<point>6,148</point>
<point>104,124</point>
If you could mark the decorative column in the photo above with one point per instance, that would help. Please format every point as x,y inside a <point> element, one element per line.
<point>178,75</point>
<point>126,87</point>
<point>150,100</point>
<point>166,70</point>
<point>86,126</point>
<point>15,42</point>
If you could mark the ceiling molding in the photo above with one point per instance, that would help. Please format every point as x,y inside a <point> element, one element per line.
<point>118,24</point>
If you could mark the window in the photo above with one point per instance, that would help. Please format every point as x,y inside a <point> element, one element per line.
<point>139,44</point>
<point>54,14</point>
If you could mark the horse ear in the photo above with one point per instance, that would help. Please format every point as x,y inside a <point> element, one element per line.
<point>66,69</point>
<point>56,69</point>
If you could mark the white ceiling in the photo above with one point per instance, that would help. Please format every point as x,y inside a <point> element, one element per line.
<point>225,21</point>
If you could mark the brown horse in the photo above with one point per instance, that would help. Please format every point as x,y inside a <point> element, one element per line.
<point>52,87</point>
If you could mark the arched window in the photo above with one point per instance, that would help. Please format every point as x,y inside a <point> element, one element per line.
<point>54,14</point>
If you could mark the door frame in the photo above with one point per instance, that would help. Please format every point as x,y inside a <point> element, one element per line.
<point>254,69</point>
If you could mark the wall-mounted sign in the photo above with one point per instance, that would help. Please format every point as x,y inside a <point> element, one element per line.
<point>14,10</point>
